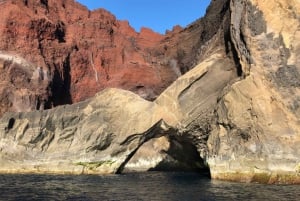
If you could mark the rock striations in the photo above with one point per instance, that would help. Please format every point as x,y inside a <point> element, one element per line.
<point>63,53</point>
<point>233,109</point>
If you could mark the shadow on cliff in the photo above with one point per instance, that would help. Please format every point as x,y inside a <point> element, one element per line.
<point>61,84</point>
<point>182,156</point>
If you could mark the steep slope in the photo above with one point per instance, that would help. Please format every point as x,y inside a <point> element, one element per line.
<point>258,134</point>
<point>237,107</point>
<point>80,52</point>
<point>77,53</point>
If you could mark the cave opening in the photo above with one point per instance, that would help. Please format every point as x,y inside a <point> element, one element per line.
<point>11,123</point>
<point>180,155</point>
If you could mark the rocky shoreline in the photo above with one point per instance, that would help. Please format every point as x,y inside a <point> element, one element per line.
<point>235,112</point>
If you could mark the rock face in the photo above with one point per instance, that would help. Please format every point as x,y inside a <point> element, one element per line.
<point>257,133</point>
<point>81,52</point>
<point>235,110</point>
<point>23,86</point>
<point>99,135</point>
<point>77,53</point>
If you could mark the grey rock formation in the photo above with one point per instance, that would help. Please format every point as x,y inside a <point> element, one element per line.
<point>99,135</point>
<point>236,111</point>
<point>256,135</point>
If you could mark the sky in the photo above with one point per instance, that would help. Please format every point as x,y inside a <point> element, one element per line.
<point>159,15</point>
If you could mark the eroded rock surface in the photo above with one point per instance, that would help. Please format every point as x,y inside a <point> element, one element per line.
<point>23,86</point>
<point>100,133</point>
<point>83,52</point>
<point>237,107</point>
<point>257,136</point>
<point>97,136</point>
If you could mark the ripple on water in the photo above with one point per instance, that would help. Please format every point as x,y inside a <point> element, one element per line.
<point>154,186</point>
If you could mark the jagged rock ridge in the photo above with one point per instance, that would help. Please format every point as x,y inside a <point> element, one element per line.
<point>238,105</point>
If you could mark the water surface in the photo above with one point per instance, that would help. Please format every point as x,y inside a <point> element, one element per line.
<point>150,186</point>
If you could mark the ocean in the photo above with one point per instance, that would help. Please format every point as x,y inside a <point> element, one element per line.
<point>148,186</point>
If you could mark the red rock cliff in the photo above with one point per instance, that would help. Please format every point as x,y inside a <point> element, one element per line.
<point>57,52</point>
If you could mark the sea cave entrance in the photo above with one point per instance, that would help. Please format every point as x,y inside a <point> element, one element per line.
<point>167,153</point>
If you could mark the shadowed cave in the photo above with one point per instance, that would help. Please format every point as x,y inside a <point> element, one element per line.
<point>181,156</point>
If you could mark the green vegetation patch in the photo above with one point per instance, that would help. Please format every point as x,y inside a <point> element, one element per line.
<point>262,178</point>
<point>95,164</point>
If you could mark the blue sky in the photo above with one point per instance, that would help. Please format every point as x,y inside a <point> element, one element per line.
<point>158,15</point>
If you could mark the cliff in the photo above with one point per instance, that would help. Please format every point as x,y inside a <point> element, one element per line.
<point>58,52</point>
<point>234,111</point>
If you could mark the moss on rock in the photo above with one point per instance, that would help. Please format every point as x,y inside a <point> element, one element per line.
<point>95,164</point>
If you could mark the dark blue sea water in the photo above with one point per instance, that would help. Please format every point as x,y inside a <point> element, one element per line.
<point>150,186</point>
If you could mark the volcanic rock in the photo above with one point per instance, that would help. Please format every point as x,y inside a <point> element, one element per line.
<point>82,51</point>
<point>97,136</point>
<point>236,105</point>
